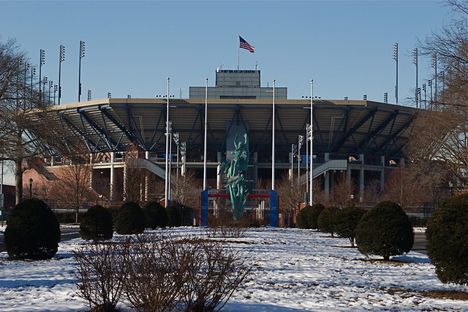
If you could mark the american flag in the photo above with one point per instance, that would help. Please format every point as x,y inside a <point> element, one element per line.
<point>245,45</point>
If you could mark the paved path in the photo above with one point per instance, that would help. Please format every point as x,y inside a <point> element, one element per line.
<point>420,242</point>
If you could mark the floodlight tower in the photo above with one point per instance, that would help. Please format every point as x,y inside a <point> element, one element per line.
<point>415,62</point>
<point>61,59</point>
<point>82,54</point>
<point>434,65</point>
<point>395,58</point>
<point>41,62</point>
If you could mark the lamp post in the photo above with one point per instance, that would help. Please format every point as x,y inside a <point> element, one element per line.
<point>61,59</point>
<point>30,187</point>
<point>183,151</point>
<point>311,142</point>
<point>55,93</point>
<point>300,140</point>
<point>293,153</point>
<point>434,65</point>
<point>44,82</point>
<point>273,140</point>
<point>51,85</point>
<point>307,156</point>
<point>82,54</point>
<point>175,137</point>
<point>167,146</point>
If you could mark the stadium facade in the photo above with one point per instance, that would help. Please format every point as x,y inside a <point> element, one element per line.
<point>359,138</point>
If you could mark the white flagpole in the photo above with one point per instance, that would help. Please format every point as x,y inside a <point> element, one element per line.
<point>238,48</point>
<point>206,131</point>
<point>167,148</point>
<point>311,142</point>
<point>273,141</point>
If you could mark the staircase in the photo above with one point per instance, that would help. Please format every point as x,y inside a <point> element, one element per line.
<point>334,164</point>
<point>148,165</point>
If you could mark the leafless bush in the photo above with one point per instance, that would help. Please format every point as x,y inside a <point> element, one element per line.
<point>213,274</point>
<point>224,226</point>
<point>159,273</point>
<point>155,271</point>
<point>99,275</point>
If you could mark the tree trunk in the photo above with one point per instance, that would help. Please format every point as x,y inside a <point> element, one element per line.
<point>18,181</point>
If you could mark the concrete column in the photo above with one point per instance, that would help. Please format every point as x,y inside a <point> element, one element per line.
<point>327,179</point>
<point>112,177</point>
<point>255,167</point>
<point>219,174</point>
<point>382,173</point>
<point>361,179</point>
<point>146,179</point>
<point>91,170</point>
<point>125,173</point>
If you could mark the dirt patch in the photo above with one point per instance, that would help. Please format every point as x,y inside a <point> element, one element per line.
<point>441,294</point>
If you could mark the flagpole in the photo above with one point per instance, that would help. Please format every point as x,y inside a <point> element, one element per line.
<point>273,140</point>
<point>311,182</point>
<point>238,48</point>
<point>205,135</point>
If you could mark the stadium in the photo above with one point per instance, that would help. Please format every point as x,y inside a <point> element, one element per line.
<point>359,138</point>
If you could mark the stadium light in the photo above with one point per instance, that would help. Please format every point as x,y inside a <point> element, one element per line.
<point>395,58</point>
<point>300,140</point>
<point>61,59</point>
<point>82,54</point>
<point>415,62</point>
<point>41,62</point>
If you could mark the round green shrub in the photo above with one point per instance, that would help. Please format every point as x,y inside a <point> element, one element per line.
<point>174,215</point>
<point>346,222</point>
<point>96,224</point>
<point>307,218</point>
<point>32,231</point>
<point>385,230</point>
<point>447,238</point>
<point>130,219</point>
<point>327,220</point>
<point>155,215</point>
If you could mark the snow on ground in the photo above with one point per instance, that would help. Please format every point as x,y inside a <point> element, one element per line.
<point>294,270</point>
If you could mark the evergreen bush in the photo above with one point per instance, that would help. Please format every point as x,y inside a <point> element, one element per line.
<point>130,219</point>
<point>96,224</point>
<point>307,218</point>
<point>347,221</point>
<point>174,216</point>
<point>385,230</point>
<point>327,220</point>
<point>32,231</point>
<point>155,215</point>
<point>447,237</point>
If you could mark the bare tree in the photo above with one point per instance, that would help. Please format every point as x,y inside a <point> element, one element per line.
<point>187,190</point>
<point>440,135</point>
<point>73,187</point>
<point>26,130</point>
<point>290,196</point>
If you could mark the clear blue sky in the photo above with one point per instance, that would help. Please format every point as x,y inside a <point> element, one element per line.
<point>132,47</point>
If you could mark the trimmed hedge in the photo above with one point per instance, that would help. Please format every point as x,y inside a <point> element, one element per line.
<point>385,230</point>
<point>155,215</point>
<point>347,221</point>
<point>96,224</point>
<point>130,219</point>
<point>447,237</point>
<point>32,231</point>
<point>307,218</point>
<point>327,220</point>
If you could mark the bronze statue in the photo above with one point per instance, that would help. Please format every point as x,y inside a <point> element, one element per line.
<point>236,171</point>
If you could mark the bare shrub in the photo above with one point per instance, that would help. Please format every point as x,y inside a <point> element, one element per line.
<point>213,274</point>
<point>159,273</point>
<point>223,226</point>
<point>155,271</point>
<point>99,275</point>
